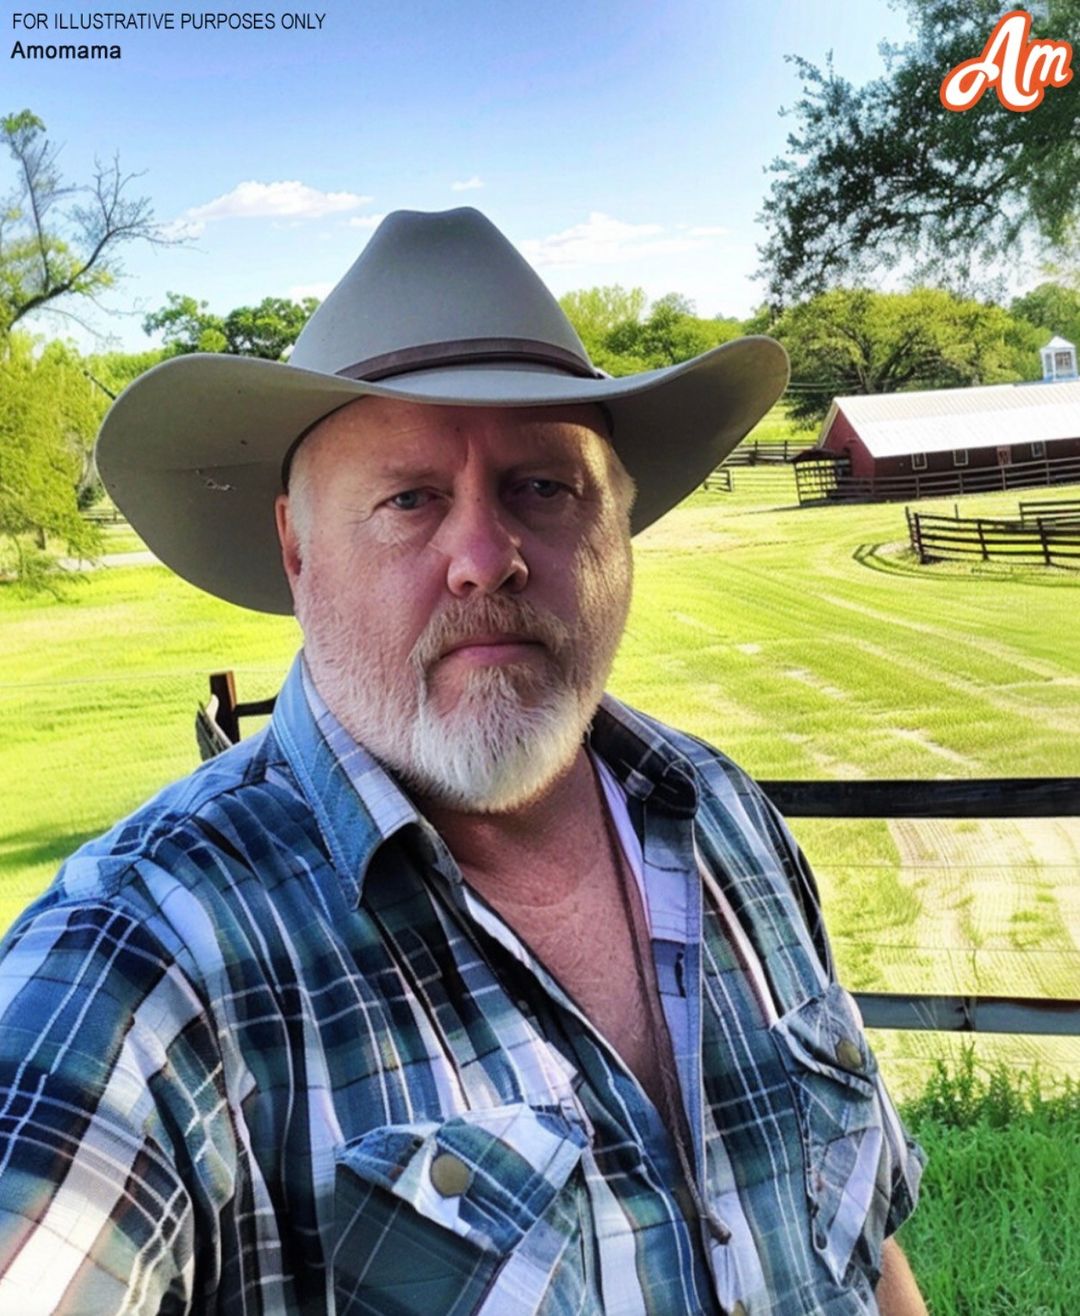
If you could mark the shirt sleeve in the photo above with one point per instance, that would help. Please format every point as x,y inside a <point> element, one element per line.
<point>112,1142</point>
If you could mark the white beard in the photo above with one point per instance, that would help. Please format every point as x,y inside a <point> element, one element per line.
<point>513,729</point>
<point>492,751</point>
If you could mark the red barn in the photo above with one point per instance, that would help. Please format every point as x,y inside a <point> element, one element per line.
<point>952,440</point>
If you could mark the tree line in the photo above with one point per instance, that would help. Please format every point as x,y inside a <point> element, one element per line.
<point>843,341</point>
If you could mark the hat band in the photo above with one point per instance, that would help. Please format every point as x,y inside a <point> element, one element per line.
<point>468,351</point>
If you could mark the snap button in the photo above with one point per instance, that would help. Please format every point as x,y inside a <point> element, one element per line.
<point>849,1054</point>
<point>450,1176</point>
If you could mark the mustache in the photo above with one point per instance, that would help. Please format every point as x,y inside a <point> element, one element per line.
<point>460,620</point>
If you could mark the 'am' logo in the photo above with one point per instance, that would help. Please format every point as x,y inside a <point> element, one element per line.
<point>1019,70</point>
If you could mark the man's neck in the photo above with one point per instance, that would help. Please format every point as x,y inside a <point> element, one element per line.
<point>506,850</point>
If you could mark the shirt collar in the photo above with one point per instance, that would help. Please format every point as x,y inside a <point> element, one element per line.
<point>358,804</point>
<point>640,752</point>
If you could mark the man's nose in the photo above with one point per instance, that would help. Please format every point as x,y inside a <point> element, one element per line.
<point>482,548</point>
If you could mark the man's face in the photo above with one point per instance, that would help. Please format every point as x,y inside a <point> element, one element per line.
<point>462,576</point>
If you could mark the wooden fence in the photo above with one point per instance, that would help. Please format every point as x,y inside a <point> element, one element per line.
<point>218,726</point>
<point>989,797</point>
<point>719,479</point>
<point>103,515</point>
<point>829,480</point>
<point>1050,509</point>
<point>763,452</point>
<point>939,538</point>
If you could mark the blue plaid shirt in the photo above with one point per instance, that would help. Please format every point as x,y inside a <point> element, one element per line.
<point>263,1051</point>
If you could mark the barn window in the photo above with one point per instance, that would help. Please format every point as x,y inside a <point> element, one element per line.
<point>918,461</point>
<point>960,457</point>
<point>1038,448</point>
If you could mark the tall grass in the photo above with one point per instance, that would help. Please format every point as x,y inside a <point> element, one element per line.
<point>995,1232</point>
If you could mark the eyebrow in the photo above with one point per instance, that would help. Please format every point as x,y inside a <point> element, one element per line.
<point>402,472</point>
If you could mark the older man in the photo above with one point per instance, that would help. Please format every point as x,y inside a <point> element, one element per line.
<point>462,988</point>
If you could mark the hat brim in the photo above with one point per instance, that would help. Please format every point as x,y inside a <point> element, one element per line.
<point>192,451</point>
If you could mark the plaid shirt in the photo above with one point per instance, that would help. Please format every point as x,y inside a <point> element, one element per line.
<point>263,1051</point>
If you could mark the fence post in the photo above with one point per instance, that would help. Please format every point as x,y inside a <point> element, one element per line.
<point>982,540</point>
<point>915,533</point>
<point>1043,540</point>
<point>223,685</point>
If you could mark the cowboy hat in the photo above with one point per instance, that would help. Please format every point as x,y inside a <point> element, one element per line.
<point>438,308</point>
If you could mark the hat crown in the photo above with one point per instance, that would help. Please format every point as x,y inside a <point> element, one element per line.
<point>437,289</point>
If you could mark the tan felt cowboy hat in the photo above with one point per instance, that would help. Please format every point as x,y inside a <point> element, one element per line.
<point>438,308</point>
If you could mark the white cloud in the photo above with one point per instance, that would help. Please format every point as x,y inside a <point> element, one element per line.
<point>709,231</point>
<point>299,291</point>
<point>603,240</point>
<point>288,199</point>
<point>467,184</point>
<point>365,221</point>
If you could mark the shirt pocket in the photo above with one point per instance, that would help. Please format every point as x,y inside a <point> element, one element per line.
<point>426,1214</point>
<point>846,1153</point>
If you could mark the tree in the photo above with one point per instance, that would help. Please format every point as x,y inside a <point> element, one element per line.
<point>268,330</point>
<point>669,334</point>
<point>112,372</point>
<point>852,340</point>
<point>59,241</point>
<point>622,340</point>
<point>594,312</point>
<point>1054,308</point>
<point>877,174</point>
<point>49,413</point>
<point>186,325</point>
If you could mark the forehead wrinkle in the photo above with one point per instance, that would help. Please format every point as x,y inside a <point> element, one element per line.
<point>373,439</point>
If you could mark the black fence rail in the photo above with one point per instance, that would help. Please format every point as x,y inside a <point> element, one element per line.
<point>989,797</point>
<point>1050,509</point>
<point>103,515</point>
<point>941,538</point>
<point>217,728</point>
<point>822,479</point>
<point>761,452</point>
<point>720,479</point>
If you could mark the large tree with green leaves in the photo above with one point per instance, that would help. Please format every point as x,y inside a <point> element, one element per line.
<point>49,414</point>
<point>1054,307</point>
<point>595,312</point>
<point>882,173</point>
<point>852,340</point>
<point>268,330</point>
<point>61,242</point>
<point>621,339</point>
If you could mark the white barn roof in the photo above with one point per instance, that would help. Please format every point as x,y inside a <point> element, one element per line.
<point>896,424</point>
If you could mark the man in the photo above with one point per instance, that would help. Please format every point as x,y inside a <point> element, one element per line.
<point>461,988</point>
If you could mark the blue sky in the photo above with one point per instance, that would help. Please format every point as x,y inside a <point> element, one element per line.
<point>613,142</point>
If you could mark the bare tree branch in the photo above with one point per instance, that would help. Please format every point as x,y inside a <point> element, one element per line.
<point>49,251</point>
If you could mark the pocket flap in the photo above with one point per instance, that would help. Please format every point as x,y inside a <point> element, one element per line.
<point>485,1175</point>
<point>826,1035</point>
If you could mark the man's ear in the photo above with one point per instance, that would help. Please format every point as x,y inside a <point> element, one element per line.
<point>291,558</point>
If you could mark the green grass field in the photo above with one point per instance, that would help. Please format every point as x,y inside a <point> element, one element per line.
<point>806,643</point>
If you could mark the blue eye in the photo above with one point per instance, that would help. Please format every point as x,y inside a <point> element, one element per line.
<point>409,499</point>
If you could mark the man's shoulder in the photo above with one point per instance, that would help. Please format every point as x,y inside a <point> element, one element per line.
<point>217,806</point>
